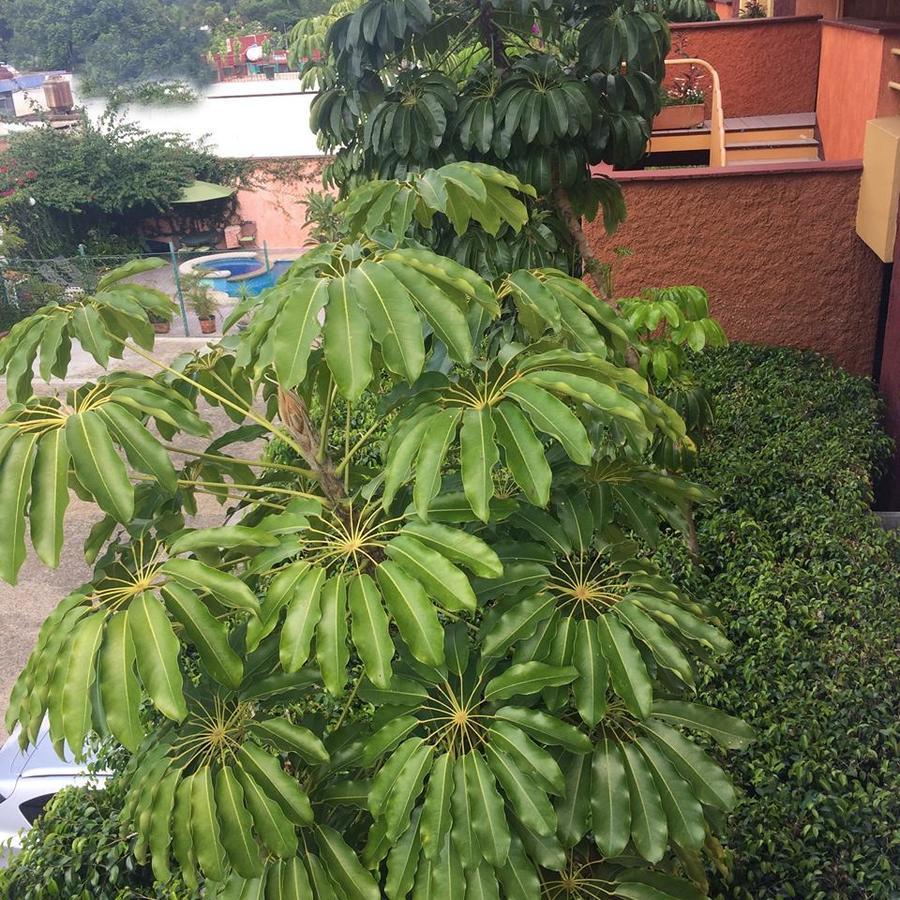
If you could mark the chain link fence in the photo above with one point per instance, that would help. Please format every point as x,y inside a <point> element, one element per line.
<point>205,283</point>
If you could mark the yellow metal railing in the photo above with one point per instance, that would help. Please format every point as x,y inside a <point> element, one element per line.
<point>716,114</point>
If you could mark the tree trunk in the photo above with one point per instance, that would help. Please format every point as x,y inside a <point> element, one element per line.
<point>295,416</point>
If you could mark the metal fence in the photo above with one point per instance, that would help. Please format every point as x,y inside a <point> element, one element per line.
<point>27,284</point>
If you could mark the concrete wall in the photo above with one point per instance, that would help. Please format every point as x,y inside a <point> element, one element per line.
<point>856,66</point>
<point>766,66</point>
<point>274,198</point>
<point>775,247</point>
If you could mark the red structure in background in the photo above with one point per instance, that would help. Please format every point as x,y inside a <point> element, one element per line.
<point>235,64</point>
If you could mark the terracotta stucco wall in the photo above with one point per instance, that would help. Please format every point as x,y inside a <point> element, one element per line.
<point>856,66</point>
<point>829,9</point>
<point>766,66</point>
<point>275,200</point>
<point>776,250</point>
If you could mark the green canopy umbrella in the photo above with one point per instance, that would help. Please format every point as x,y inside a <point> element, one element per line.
<point>203,191</point>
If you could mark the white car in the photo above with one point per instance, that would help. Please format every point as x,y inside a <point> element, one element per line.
<point>27,782</point>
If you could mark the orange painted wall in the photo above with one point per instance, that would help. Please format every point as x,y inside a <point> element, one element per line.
<point>275,199</point>
<point>855,68</point>
<point>766,66</point>
<point>828,9</point>
<point>725,8</point>
<point>777,250</point>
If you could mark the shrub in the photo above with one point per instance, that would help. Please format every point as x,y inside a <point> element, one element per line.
<point>807,583</point>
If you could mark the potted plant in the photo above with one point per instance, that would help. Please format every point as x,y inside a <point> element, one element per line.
<point>160,325</point>
<point>199,297</point>
<point>683,104</point>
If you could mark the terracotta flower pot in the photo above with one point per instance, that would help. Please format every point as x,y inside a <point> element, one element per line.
<point>207,324</point>
<point>676,117</point>
<point>161,327</point>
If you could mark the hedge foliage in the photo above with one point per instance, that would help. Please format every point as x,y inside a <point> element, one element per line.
<point>809,585</point>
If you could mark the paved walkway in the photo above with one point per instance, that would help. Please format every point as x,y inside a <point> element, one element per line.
<point>24,607</point>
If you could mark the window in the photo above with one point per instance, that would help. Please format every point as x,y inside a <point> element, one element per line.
<point>7,106</point>
<point>32,808</point>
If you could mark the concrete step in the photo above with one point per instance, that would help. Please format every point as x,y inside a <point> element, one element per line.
<point>768,134</point>
<point>797,148</point>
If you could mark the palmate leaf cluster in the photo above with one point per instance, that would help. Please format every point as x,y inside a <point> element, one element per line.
<point>512,674</point>
<point>543,90</point>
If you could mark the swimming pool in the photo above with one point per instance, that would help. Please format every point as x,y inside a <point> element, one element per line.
<point>238,269</point>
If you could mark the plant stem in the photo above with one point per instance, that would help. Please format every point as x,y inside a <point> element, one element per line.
<point>257,464</point>
<point>355,448</point>
<point>249,413</point>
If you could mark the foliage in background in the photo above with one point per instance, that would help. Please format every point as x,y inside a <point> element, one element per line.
<point>152,93</point>
<point>98,180</point>
<point>809,586</point>
<point>753,9</point>
<point>107,42</point>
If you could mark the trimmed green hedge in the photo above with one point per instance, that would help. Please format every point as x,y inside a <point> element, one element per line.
<point>809,587</point>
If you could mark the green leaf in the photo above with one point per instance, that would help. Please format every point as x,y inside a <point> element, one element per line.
<point>518,877</point>
<point>593,675</point>
<point>143,451</point>
<point>97,465</point>
<point>489,822</point>
<point>462,831</point>
<point>15,480</point>
<point>524,453</point>
<point>91,333</point>
<point>610,798</point>
<point>285,790</point>
<point>303,615</point>
<point>459,546</point>
<point>649,830</point>
<point>182,840</point>
<point>206,633</point>
<point>294,881</point>
<point>530,803</point>
<point>296,329</point>
<point>226,536</point>
<point>348,343</point>
<point>415,616</point>
<point>573,808</point>
<point>627,671</point>
<point>395,323</point>
<point>205,831</point>
<point>236,821</point>
<point>546,728</point>
<point>158,658</point>
<point>161,825</point>
<point>435,821</point>
<point>551,416</point>
<point>271,824</point>
<point>528,756</point>
<point>683,811</point>
<point>527,678</point>
<point>370,630</point>
<point>343,866</point>
<point>289,737</point>
<point>478,456</point>
<point>197,576</point>
<point>432,451</point>
<point>323,888</point>
<point>49,496</point>
<point>516,624</point>
<point>725,730</point>
<point>402,862</point>
<point>711,785</point>
<point>405,791</point>
<point>332,652</point>
<point>80,673</point>
<point>440,578</point>
<point>119,688</point>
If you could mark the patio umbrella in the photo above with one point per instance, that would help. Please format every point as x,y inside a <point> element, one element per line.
<point>203,191</point>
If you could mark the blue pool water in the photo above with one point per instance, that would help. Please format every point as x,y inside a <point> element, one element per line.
<point>242,266</point>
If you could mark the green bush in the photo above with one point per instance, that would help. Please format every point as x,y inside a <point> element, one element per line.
<point>808,584</point>
<point>75,852</point>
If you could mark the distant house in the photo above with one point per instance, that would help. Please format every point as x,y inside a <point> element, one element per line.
<point>30,94</point>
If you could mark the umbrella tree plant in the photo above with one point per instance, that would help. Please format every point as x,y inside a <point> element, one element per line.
<point>525,668</point>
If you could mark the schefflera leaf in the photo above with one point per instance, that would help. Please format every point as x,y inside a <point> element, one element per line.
<point>363,575</point>
<point>598,607</point>
<point>92,440</point>
<point>352,302</point>
<point>212,797</point>
<point>465,771</point>
<point>501,416</point>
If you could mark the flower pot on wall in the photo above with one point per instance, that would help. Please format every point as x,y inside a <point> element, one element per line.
<point>207,324</point>
<point>690,115</point>
<point>161,327</point>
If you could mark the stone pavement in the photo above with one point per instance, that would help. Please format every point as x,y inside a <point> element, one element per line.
<point>24,606</point>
